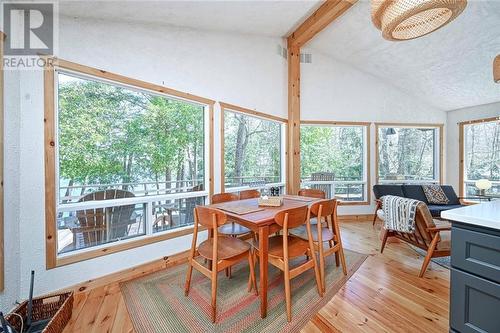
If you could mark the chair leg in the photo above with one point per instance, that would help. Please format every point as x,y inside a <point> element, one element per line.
<point>214,295</point>
<point>430,252</point>
<point>379,205</point>
<point>316,273</point>
<point>288,296</point>
<point>188,278</point>
<point>342,259</point>
<point>322,268</point>
<point>252,280</point>
<point>384,240</point>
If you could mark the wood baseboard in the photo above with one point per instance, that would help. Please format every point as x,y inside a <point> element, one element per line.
<point>356,218</point>
<point>131,273</point>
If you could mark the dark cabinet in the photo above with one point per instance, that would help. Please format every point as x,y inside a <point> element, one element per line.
<point>475,279</point>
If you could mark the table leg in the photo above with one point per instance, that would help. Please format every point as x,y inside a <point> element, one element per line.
<point>263,248</point>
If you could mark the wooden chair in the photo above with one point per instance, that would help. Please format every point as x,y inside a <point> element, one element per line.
<point>285,247</point>
<point>99,225</point>
<point>221,251</point>
<point>326,209</point>
<point>232,229</point>
<point>430,235</point>
<point>249,194</point>
<point>312,192</point>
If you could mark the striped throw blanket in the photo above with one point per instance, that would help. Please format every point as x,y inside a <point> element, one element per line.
<point>399,213</point>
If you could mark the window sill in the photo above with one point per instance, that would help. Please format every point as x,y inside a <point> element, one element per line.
<point>119,246</point>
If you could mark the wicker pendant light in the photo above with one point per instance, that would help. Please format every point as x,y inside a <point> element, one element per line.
<point>408,19</point>
<point>496,69</point>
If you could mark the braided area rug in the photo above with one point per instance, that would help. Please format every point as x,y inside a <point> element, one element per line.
<point>156,302</point>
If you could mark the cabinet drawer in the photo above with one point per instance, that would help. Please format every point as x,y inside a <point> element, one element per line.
<point>475,304</point>
<point>475,252</point>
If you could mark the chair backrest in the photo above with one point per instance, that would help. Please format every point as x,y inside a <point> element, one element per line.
<point>292,218</point>
<point>312,192</point>
<point>210,217</point>
<point>450,194</point>
<point>248,194</point>
<point>423,220</point>
<point>323,176</point>
<point>224,197</point>
<point>328,207</point>
<point>119,216</point>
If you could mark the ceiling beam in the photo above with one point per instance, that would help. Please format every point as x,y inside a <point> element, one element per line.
<point>328,12</point>
<point>320,19</point>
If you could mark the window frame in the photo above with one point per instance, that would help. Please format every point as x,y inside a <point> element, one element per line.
<point>438,152</point>
<point>366,149</point>
<point>53,259</point>
<point>256,114</point>
<point>461,149</point>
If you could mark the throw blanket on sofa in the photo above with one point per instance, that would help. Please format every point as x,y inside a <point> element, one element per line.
<point>399,213</point>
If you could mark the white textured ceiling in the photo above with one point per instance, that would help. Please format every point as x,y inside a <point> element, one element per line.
<point>268,18</point>
<point>450,68</point>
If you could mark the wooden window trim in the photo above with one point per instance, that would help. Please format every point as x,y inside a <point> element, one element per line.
<point>52,259</point>
<point>413,125</point>
<point>2,262</point>
<point>367,126</point>
<point>253,113</point>
<point>461,149</point>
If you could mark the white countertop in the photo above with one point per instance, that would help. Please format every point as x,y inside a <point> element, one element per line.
<point>484,214</point>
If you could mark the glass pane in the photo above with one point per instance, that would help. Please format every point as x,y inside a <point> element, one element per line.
<point>406,153</point>
<point>332,160</point>
<point>482,155</point>
<point>171,214</point>
<point>335,151</point>
<point>252,149</point>
<point>91,227</point>
<point>114,137</point>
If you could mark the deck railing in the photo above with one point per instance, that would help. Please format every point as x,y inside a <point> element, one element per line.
<point>340,188</point>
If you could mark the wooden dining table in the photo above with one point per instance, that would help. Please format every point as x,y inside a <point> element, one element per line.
<point>261,222</point>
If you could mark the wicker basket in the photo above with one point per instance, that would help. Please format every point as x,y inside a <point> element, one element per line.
<point>57,308</point>
<point>271,201</point>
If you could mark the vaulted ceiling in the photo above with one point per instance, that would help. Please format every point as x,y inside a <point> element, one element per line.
<point>449,69</point>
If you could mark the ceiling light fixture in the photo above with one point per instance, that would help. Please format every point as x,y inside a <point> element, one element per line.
<point>407,19</point>
<point>496,69</point>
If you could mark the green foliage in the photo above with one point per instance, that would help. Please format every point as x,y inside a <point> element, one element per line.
<point>111,134</point>
<point>482,151</point>
<point>334,149</point>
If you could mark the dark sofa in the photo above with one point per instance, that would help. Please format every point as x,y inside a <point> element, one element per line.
<point>416,192</point>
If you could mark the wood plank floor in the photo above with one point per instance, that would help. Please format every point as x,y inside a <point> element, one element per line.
<point>384,295</point>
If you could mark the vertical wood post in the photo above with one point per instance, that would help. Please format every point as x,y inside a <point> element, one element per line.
<point>293,167</point>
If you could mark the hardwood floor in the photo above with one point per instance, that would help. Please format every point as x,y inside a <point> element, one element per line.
<point>384,295</point>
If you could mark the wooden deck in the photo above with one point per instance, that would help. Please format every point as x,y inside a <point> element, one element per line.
<point>384,295</point>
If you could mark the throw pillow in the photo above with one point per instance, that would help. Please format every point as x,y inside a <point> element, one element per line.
<point>435,195</point>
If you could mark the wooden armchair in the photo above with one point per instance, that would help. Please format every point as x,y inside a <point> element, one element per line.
<point>430,235</point>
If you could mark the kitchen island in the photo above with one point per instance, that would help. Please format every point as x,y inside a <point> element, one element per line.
<point>475,268</point>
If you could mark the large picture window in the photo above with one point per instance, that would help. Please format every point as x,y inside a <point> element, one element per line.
<point>480,155</point>
<point>408,153</point>
<point>129,161</point>
<point>253,150</point>
<point>334,158</point>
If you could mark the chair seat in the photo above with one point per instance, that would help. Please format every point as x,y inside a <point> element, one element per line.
<point>227,247</point>
<point>437,209</point>
<point>233,229</point>
<point>296,246</point>
<point>301,232</point>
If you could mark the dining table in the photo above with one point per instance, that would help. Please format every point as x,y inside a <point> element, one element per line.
<point>260,219</point>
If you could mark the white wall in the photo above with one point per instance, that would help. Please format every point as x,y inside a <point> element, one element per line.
<point>238,69</point>
<point>458,116</point>
<point>333,90</point>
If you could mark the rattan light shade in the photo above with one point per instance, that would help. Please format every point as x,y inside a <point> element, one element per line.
<point>408,19</point>
<point>496,69</point>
